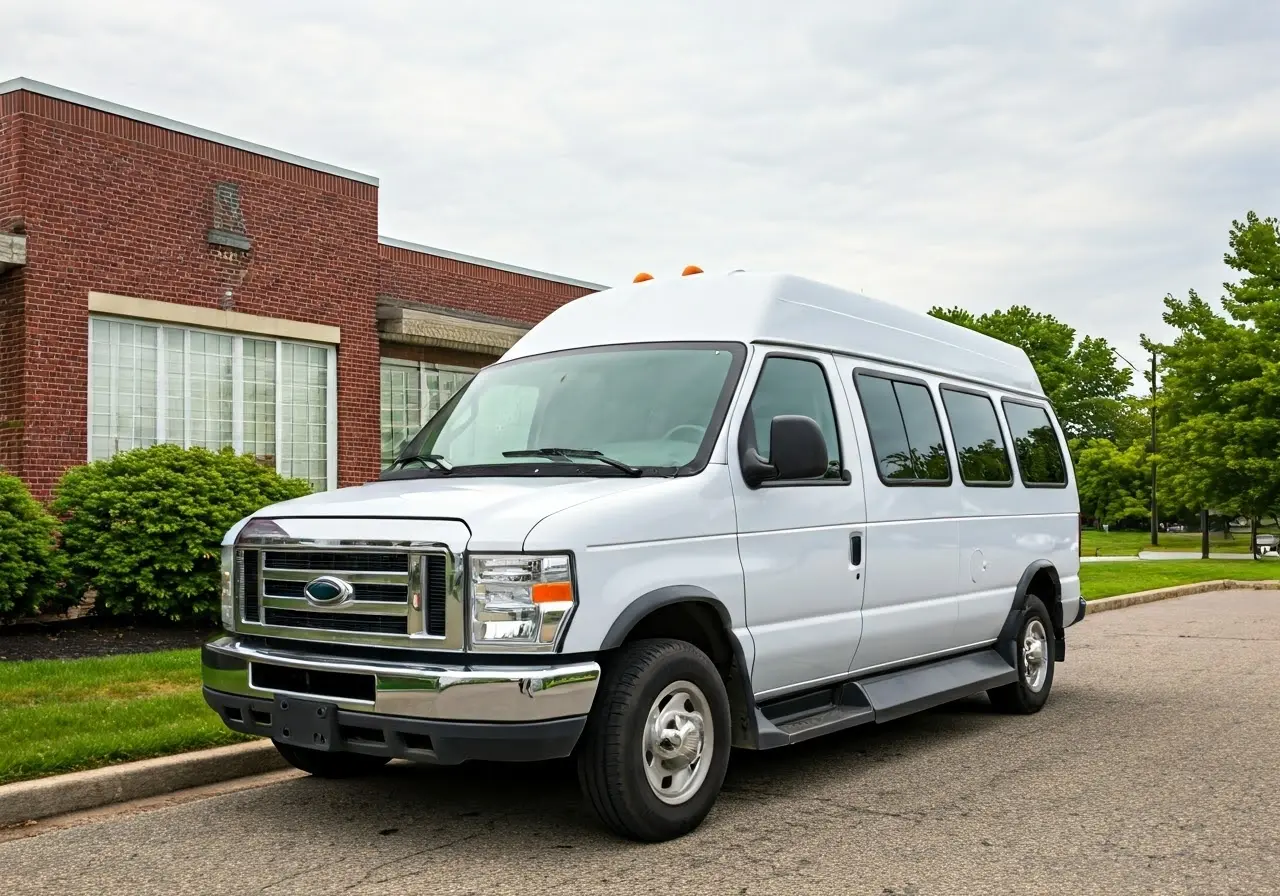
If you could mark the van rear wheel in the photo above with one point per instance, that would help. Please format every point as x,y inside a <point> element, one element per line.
<point>1034,646</point>
<point>656,747</point>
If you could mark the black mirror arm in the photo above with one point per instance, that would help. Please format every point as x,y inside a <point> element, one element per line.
<point>755,469</point>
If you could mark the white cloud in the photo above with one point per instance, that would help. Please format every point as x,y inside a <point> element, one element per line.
<point>1081,158</point>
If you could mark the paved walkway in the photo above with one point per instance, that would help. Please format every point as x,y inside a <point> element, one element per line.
<point>1152,770</point>
<point>1171,555</point>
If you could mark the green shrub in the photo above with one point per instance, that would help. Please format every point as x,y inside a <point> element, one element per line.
<point>31,568</point>
<point>143,528</point>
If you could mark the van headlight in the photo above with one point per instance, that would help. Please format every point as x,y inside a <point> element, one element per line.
<point>228,589</point>
<point>520,601</point>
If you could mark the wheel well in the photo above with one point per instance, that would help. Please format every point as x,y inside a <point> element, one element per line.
<point>1044,585</point>
<point>698,623</point>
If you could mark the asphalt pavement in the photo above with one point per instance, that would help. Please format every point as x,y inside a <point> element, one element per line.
<point>1155,768</point>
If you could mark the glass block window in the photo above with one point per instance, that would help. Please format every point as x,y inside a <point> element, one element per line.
<point>268,398</point>
<point>122,387</point>
<point>260,400</point>
<point>304,405</point>
<point>411,394</point>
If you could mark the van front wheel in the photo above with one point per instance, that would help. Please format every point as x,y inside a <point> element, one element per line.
<point>657,744</point>
<point>1034,646</point>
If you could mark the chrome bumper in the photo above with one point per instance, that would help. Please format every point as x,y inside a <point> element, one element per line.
<point>409,690</point>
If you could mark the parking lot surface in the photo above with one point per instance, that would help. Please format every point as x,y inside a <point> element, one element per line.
<point>1155,768</point>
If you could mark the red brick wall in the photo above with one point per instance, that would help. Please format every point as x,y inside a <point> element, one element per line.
<point>11,355</point>
<point>445,283</point>
<point>11,330</point>
<point>117,206</point>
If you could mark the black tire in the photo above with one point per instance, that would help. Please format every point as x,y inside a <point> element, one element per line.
<point>330,765</point>
<point>611,763</point>
<point>1020,697</point>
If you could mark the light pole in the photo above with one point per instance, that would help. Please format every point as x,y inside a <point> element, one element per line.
<point>1155,511</point>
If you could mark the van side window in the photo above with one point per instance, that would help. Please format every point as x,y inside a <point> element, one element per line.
<point>905,435</point>
<point>1035,444</point>
<point>794,386</point>
<point>980,448</point>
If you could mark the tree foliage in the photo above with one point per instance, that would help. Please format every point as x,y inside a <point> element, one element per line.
<point>31,568</point>
<point>1220,399</point>
<point>1114,484</point>
<point>143,528</point>
<point>1082,379</point>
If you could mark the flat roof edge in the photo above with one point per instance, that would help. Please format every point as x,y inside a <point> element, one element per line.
<point>487,263</point>
<point>168,124</point>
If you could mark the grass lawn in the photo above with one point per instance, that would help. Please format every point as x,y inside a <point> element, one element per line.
<point>66,715</point>
<point>1128,544</point>
<point>1110,579</point>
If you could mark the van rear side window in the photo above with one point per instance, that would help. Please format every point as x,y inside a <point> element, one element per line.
<point>1035,445</point>
<point>905,435</point>
<point>979,443</point>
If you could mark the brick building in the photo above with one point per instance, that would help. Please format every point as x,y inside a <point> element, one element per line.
<point>163,283</point>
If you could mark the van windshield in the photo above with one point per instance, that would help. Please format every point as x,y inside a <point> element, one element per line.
<point>653,408</point>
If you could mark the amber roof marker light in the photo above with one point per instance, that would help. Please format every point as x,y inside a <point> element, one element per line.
<point>691,270</point>
<point>641,277</point>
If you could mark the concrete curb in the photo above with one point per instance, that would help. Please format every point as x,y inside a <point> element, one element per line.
<point>1145,597</point>
<point>45,797</point>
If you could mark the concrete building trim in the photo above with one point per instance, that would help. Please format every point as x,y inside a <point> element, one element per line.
<point>102,116</point>
<point>419,327</point>
<point>212,318</point>
<point>489,265</point>
<point>13,251</point>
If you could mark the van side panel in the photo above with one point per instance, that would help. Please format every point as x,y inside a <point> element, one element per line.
<point>1004,530</point>
<point>912,551</point>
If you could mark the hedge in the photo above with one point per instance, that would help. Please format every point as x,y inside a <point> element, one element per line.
<point>31,568</point>
<point>143,528</point>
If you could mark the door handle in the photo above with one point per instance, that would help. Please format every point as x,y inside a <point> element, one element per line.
<point>855,549</point>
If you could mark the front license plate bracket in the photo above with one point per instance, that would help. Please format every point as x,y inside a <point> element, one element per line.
<point>310,724</point>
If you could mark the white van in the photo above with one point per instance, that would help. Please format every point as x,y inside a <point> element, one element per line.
<point>681,516</point>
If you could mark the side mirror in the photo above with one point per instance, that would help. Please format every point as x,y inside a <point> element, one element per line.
<point>797,450</point>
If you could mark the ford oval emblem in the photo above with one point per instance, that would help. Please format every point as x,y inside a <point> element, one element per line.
<point>326,591</point>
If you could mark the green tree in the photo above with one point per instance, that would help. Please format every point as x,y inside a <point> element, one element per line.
<point>1220,399</point>
<point>1082,378</point>
<point>1114,483</point>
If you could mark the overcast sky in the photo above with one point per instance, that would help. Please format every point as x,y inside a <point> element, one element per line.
<point>1085,161</point>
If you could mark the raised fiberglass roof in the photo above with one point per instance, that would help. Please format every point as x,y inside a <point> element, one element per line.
<point>779,309</point>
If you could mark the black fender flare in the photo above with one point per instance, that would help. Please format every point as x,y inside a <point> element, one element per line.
<point>1009,631</point>
<point>739,680</point>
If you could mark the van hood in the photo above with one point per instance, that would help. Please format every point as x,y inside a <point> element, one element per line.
<point>499,513</point>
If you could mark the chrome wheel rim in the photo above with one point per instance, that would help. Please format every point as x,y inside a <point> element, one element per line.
<point>679,740</point>
<point>1035,655</point>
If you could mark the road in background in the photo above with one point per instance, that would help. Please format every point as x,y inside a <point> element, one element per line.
<point>1154,769</point>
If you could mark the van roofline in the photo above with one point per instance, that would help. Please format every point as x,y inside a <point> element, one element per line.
<point>942,372</point>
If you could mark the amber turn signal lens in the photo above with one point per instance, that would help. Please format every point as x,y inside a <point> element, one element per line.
<point>552,592</point>
<point>641,277</point>
<point>691,269</point>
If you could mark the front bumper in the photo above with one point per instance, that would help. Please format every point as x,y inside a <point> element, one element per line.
<point>450,713</point>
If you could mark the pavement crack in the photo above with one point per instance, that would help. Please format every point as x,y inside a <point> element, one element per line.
<point>365,878</point>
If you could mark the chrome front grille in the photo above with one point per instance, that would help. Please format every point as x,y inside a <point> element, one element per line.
<point>394,595</point>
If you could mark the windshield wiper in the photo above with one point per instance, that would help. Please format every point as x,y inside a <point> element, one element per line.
<point>436,461</point>
<point>573,454</point>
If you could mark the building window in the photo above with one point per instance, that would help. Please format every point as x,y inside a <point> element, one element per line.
<point>412,392</point>
<point>275,400</point>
